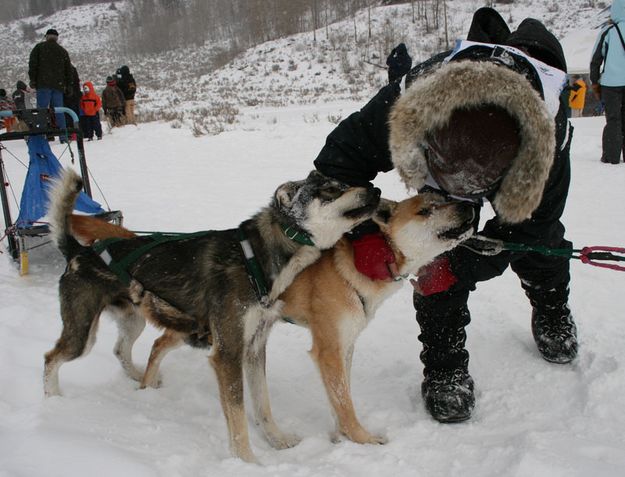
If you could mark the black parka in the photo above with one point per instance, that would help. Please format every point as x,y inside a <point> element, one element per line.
<point>49,66</point>
<point>358,149</point>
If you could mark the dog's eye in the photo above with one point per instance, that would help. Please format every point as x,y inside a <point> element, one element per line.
<point>425,212</point>
<point>330,193</point>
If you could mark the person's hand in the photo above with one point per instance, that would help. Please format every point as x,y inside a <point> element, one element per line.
<point>435,277</point>
<point>374,257</point>
<point>596,89</point>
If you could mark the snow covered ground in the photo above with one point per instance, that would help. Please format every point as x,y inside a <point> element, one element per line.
<point>532,418</point>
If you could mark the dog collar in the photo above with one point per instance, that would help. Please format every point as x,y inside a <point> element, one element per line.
<point>297,235</point>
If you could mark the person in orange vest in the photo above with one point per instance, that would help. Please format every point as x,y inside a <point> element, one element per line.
<point>577,97</point>
<point>90,105</point>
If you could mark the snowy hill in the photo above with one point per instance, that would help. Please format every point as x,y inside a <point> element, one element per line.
<point>339,65</point>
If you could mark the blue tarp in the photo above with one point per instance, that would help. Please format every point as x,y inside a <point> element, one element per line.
<point>42,167</point>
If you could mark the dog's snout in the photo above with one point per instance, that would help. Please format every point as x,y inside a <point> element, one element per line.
<point>371,195</point>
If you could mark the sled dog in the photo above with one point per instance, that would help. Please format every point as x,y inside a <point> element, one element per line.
<point>336,302</point>
<point>198,287</point>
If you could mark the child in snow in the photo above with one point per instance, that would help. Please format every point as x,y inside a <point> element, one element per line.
<point>90,105</point>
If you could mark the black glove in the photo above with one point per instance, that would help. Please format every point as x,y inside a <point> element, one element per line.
<point>399,63</point>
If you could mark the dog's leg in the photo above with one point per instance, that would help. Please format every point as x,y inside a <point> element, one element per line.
<point>164,344</point>
<point>229,369</point>
<point>257,379</point>
<point>258,324</point>
<point>77,338</point>
<point>330,352</point>
<point>130,325</point>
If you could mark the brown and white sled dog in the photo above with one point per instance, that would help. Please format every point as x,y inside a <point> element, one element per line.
<point>198,288</point>
<point>336,302</point>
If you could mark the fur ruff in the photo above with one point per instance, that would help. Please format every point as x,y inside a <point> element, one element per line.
<point>429,102</point>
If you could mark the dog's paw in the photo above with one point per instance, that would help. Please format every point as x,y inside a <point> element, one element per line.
<point>377,439</point>
<point>284,441</point>
<point>361,436</point>
<point>49,393</point>
<point>336,437</point>
<point>154,384</point>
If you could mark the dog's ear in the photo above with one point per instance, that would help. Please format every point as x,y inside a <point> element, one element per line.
<point>285,194</point>
<point>315,175</point>
<point>384,212</point>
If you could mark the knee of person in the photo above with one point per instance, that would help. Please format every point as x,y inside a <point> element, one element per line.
<point>453,299</point>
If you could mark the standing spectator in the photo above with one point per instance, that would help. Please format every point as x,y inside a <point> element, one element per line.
<point>50,73</point>
<point>577,96</point>
<point>399,63</point>
<point>72,100</point>
<point>90,105</point>
<point>126,82</point>
<point>6,105</point>
<point>23,96</point>
<point>113,102</point>
<point>609,84</point>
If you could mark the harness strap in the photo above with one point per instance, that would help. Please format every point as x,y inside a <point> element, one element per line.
<point>253,268</point>
<point>120,267</point>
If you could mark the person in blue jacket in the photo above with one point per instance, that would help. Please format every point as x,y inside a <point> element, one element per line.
<point>608,83</point>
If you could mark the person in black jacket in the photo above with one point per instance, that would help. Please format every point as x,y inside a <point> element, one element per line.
<point>50,73</point>
<point>399,63</point>
<point>126,82</point>
<point>19,95</point>
<point>482,122</point>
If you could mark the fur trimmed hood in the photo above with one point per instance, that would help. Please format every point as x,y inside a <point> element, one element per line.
<point>428,104</point>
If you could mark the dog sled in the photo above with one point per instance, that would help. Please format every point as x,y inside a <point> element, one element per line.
<point>28,230</point>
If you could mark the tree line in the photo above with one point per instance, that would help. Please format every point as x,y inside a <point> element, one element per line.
<point>151,26</point>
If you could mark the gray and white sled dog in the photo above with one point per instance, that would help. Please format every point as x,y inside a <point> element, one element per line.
<point>199,286</point>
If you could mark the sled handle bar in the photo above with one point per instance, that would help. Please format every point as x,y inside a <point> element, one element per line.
<point>74,116</point>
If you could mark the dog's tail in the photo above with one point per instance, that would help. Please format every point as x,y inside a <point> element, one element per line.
<point>88,229</point>
<point>62,198</point>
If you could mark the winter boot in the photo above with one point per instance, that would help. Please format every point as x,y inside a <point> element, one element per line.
<point>447,388</point>
<point>553,327</point>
